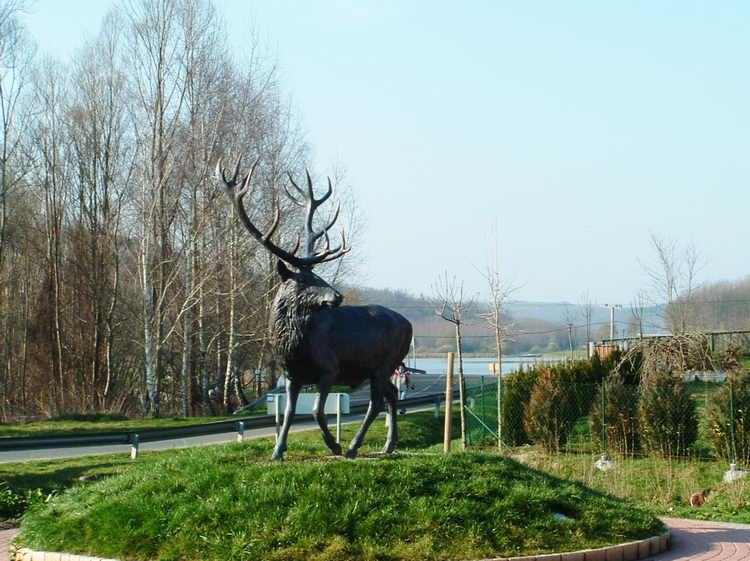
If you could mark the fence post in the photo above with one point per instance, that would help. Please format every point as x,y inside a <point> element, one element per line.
<point>338,418</point>
<point>448,406</point>
<point>500,406</point>
<point>733,451</point>
<point>484,419</point>
<point>240,431</point>
<point>604,413</point>
<point>134,444</point>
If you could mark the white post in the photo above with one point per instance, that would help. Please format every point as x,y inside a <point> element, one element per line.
<point>338,418</point>
<point>240,431</point>
<point>437,406</point>
<point>277,414</point>
<point>134,447</point>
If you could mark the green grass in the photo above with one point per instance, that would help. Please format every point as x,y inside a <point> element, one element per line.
<point>230,502</point>
<point>43,477</point>
<point>89,423</point>
<point>237,505</point>
<point>661,486</point>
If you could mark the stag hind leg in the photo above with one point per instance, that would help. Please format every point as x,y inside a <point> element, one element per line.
<point>391,396</point>
<point>376,406</point>
<point>292,393</point>
<point>319,414</point>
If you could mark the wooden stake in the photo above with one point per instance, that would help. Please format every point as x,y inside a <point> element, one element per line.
<point>448,406</point>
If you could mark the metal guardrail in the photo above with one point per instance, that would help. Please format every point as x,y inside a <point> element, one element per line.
<point>131,437</point>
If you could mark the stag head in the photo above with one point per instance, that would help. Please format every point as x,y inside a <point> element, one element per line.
<point>307,289</point>
<point>314,255</point>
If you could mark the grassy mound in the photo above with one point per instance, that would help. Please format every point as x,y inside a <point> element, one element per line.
<point>229,503</point>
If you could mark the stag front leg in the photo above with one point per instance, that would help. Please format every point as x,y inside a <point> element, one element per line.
<point>391,396</point>
<point>376,406</point>
<point>292,393</point>
<point>319,414</point>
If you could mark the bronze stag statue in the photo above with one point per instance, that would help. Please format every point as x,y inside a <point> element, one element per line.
<point>320,341</point>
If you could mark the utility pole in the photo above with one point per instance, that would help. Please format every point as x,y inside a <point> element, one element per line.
<point>612,308</point>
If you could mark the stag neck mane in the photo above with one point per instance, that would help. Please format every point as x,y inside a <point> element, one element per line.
<point>291,315</point>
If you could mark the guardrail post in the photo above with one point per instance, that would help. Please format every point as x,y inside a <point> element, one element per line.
<point>134,447</point>
<point>338,418</point>
<point>277,414</point>
<point>437,406</point>
<point>240,431</point>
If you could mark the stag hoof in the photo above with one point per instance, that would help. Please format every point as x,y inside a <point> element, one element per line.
<point>389,448</point>
<point>351,454</point>
<point>336,449</point>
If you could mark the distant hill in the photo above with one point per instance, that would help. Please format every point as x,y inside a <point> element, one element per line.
<point>538,326</point>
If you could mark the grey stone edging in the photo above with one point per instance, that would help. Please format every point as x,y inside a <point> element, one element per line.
<point>26,554</point>
<point>624,552</point>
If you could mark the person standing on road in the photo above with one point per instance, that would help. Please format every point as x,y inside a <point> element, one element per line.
<point>403,383</point>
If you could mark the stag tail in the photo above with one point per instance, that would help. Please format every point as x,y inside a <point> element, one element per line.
<point>306,199</point>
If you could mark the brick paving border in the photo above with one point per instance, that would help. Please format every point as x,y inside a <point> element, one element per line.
<point>692,540</point>
<point>698,540</point>
<point>5,536</point>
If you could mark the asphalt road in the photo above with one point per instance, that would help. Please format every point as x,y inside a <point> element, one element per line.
<point>425,384</point>
<point>301,423</point>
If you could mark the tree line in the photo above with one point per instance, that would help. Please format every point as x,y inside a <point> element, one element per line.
<point>126,283</point>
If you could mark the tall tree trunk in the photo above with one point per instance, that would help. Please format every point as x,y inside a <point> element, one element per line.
<point>110,327</point>
<point>186,343</point>
<point>5,360</point>
<point>203,351</point>
<point>231,370</point>
<point>53,246</point>
<point>151,397</point>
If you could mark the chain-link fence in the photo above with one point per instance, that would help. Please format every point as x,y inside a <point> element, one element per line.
<point>584,408</point>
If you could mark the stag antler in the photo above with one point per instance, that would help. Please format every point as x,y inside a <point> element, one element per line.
<point>312,258</point>
<point>311,203</point>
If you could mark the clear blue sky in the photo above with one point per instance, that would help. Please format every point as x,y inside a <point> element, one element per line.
<point>577,126</point>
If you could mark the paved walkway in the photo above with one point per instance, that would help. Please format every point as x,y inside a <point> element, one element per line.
<point>692,540</point>
<point>5,536</point>
<point>700,541</point>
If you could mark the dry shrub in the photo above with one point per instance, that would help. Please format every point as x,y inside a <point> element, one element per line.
<point>551,411</point>
<point>667,416</point>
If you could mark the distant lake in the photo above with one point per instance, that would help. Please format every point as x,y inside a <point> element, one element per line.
<point>478,366</point>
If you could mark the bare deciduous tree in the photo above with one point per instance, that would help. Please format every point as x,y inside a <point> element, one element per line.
<point>587,309</point>
<point>673,279</point>
<point>500,290</point>
<point>453,305</point>
<point>637,310</point>
<point>570,315</point>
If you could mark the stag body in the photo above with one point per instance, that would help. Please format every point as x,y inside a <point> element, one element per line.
<point>320,341</point>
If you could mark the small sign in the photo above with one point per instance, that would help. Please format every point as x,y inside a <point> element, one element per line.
<point>306,402</point>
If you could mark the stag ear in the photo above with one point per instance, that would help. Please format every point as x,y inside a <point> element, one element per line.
<point>283,270</point>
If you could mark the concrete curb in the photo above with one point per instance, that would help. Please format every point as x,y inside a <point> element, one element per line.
<point>26,554</point>
<point>623,552</point>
